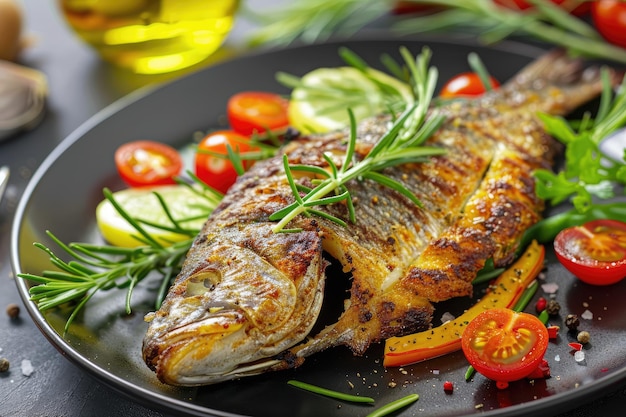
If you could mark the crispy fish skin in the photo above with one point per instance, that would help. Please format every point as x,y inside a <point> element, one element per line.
<point>247,298</point>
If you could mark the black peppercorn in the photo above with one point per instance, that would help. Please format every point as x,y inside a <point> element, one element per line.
<point>572,322</point>
<point>583,337</point>
<point>4,364</point>
<point>553,307</point>
<point>13,310</point>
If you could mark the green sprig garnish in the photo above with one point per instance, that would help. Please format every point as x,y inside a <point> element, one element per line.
<point>318,20</point>
<point>379,412</point>
<point>587,171</point>
<point>393,406</point>
<point>94,268</point>
<point>313,20</point>
<point>402,143</point>
<point>330,393</point>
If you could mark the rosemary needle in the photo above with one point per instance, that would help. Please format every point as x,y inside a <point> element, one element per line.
<point>394,406</point>
<point>330,393</point>
<point>527,295</point>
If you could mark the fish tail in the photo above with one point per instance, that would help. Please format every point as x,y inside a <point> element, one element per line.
<point>564,82</point>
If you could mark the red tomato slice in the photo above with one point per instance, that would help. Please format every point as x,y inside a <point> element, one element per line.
<point>595,252</point>
<point>146,163</point>
<point>505,345</point>
<point>467,84</point>
<point>609,17</point>
<point>219,172</point>
<point>256,112</point>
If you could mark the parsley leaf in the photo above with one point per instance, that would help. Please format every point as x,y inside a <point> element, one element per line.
<point>587,172</point>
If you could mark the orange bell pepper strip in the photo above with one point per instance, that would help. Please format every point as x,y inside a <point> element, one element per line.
<point>444,339</point>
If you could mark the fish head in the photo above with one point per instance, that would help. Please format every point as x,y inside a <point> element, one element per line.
<point>224,319</point>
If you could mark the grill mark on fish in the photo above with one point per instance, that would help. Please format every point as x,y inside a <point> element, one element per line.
<point>477,199</point>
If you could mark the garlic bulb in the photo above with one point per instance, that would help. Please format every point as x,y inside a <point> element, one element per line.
<point>23,94</point>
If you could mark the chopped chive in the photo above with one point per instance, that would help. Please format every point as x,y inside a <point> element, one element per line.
<point>544,317</point>
<point>394,406</point>
<point>527,295</point>
<point>487,274</point>
<point>469,373</point>
<point>330,393</point>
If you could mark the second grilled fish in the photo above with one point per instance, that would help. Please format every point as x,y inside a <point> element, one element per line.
<point>247,298</point>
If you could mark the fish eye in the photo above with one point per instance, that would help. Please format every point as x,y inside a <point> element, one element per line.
<point>203,282</point>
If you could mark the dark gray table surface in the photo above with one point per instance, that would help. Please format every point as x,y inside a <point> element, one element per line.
<point>80,85</point>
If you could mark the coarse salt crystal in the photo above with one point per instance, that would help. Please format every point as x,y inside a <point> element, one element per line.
<point>447,316</point>
<point>579,355</point>
<point>435,371</point>
<point>550,287</point>
<point>27,367</point>
<point>587,315</point>
<point>557,358</point>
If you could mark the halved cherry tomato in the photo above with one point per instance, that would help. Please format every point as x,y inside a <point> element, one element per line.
<point>147,163</point>
<point>609,17</point>
<point>595,252</point>
<point>579,10</point>
<point>219,172</point>
<point>467,84</point>
<point>256,112</point>
<point>505,345</point>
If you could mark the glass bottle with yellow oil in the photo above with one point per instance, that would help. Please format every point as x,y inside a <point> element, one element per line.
<point>152,36</point>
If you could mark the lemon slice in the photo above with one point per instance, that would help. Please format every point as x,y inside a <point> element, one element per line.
<point>320,102</point>
<point>142,204</point>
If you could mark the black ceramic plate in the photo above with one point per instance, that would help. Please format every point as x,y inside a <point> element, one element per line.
<point>104,341</point>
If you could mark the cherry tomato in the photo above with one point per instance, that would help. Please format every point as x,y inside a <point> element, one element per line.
<point>219,172</point>
<point>146,163</point>
<point>467,84</point>
<point>256,112</point>
<point>401,7</point>
<point>579,10</point>
<point>609,17</point>
<point>505,345</point>
<point>595,252</point>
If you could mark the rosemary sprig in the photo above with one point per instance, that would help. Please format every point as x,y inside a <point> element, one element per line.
<point>546,22</point>
<point>402,143</point>
<point>93,268</point>
<point>313,21</point>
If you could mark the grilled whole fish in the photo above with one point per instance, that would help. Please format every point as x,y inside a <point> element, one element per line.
<point>247,298</point>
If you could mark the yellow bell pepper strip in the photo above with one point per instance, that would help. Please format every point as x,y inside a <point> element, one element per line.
<point>444,339</point>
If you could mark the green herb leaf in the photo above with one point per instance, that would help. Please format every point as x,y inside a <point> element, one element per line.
<point>587,172</point>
